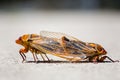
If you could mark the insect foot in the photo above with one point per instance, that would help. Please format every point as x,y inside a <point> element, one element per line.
<point>24,61</point>
<point>117,61</point>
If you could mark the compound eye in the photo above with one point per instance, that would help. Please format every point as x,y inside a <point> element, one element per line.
<point>20,38</point>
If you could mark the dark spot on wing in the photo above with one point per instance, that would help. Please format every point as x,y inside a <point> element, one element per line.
<point>74,44</point>
<point>77,46</point>
<point>48,48</point>
<point>66,39</point>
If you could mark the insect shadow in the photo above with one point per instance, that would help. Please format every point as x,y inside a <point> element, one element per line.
<point>66,62</point>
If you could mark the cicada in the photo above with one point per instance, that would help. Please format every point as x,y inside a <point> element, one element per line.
<point>60,45</point>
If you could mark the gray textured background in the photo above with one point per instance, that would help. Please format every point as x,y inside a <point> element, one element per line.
<point>95,26</point>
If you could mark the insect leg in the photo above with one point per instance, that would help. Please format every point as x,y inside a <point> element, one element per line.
<point>47,57</point>
<point>23,56</point>
<point>104,57</point>
<point>39,52</point>
<point>21,52</point>
<point>34,57</point>
<point>36,52</point>
<point>42,56</point>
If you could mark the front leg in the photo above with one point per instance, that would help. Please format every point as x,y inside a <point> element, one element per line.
<point>21,52</point>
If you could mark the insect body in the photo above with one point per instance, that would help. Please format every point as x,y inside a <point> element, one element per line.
<point>61,45</point>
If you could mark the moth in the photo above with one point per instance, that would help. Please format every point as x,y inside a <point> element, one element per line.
<point>60,45</point>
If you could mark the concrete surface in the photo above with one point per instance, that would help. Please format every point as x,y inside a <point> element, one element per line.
<point>98,27</point>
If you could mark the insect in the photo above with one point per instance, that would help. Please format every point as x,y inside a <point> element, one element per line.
<point>61,45</point>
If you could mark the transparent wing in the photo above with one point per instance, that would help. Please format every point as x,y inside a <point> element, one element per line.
<point>57,35</point>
